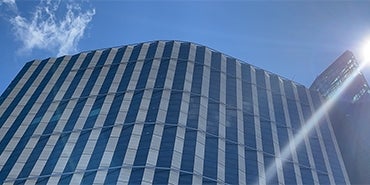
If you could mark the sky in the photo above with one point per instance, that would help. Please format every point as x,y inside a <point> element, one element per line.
<point>294,39</point>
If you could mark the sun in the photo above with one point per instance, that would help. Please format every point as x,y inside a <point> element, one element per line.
<point>366,51</point>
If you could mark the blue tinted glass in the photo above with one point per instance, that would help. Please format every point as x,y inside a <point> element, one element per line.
<point>265,125</point>
<point>184,51</point>
<point>105,133</point>
<point>147,133</point>
<point>169,132</point>
<point>122,143</point>
<point>12,106</point>
<point>163,67</point>
<point>151,51</point>
<point>231,83</point>
<point>313,137</point>
<point>187,163</point>
<point>162,176</point>
<point>136,175</point>
<point>168,50</point>
<point>199,56</point>
<point>282,129</point>
<point>306,175</point>
<point>289,173</point>
<point>329,143</point>
<point>249,127</point>
<point>82,139</point>
<point>216,61</point>
<point>62,140</point>
<point>51,125</point>
<point>323,178</point>
<point>231,165</point>
<point>251,166</point>
<point>119,155</point>
<point>15,81</point>
<point>178,81</point>
<point>31,128</point>
<point>145,70</point>
<point>296,124</point>
<point>135,53</point>
<point>211,144</point>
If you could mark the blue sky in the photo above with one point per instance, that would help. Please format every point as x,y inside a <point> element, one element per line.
<point>295,39</point>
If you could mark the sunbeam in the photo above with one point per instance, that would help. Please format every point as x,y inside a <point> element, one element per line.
<point>314,120</point>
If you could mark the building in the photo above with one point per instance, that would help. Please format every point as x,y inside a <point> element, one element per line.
<point>161,112</point>
<point>349,114</point>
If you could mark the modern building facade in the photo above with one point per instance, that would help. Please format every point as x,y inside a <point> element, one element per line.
<point>161,112</point>
<point>350,113</point>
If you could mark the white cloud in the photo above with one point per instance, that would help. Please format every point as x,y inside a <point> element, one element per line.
<point>7,1</point>
<point>47,29</point>
<point>10,4</point>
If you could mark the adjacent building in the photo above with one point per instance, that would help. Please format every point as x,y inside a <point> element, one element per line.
<point>350,113</point>
<point>158,113</point>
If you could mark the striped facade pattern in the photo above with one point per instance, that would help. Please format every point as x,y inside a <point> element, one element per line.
<point>163,112</point>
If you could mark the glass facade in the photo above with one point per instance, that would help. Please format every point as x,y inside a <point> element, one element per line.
<point>163,112</point>
<point>349,114</point>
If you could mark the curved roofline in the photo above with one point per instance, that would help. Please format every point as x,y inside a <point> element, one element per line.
<point>195,43</point>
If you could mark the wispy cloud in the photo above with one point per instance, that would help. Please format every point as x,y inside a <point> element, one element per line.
<point>10,4</point>
<point>49,29</point>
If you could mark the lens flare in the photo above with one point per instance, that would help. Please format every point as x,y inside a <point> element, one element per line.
<point>366,51</point>
<point>318,115</point>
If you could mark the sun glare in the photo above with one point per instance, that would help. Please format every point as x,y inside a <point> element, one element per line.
<point>318,115</point>
<point>366,51</point>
